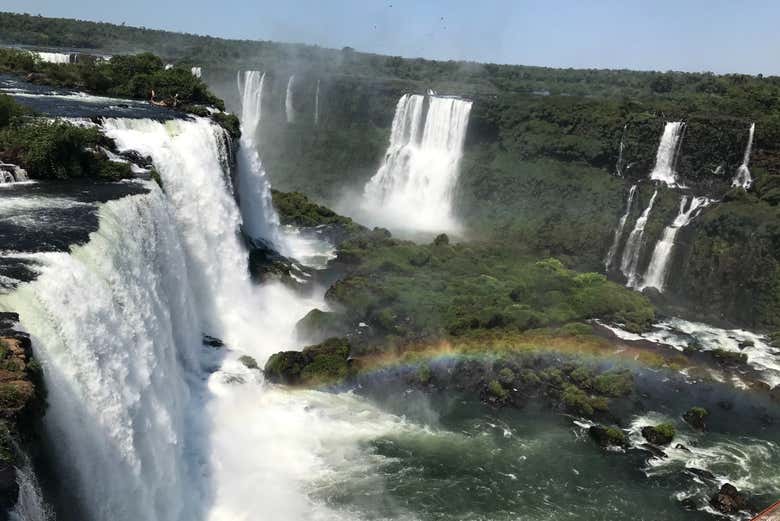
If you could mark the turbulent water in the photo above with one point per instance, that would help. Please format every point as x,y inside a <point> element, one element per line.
<point>619,230</point>
<point>415,185</point>
<point>632,251</point>
<point>289,109</point>
<point>259,217</point>
<point>743,179</point>
<point>197,71</point>
<point>55,57</point>
<point>666,157</point>
<point>657,270</point>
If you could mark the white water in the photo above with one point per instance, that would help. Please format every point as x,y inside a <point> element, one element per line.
<point>666,157</point>
<point>621,224</point>
<point>317,104</point>
<point>633,248</point>
<point>289,110</point>
<point>150,434</point>
<point>259,216</point>
<point>30,505</point>
<point>679,334</point>
<point>415,185</point>
<point>54,57</point>
<point>656,274</point>
<point>197,71</point>
<point>12,174</point>
<point>619,164</point>
<point>743,179</point>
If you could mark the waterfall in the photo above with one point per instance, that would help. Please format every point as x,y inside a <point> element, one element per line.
<point>115,328</point>
<point>668,150</point>
<point>415,184</point>
<point>12,174</point>
<point>619,164</point>
<point>197,72</point>
<point>257,210</point>
<point>30,505</point>
<point>619,231</point>
<point>55,57</point>
<point>317,104</point>
<point>656,274</point>
<point>631,252</point>
<point>289,110</point>
<point>743,179</point>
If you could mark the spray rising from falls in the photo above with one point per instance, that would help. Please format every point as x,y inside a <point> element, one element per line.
<point>289,110</point>
<point>668,151</point>
<point>257,210</point>
<point>629,263</point>
<point>657,270</point>
<point>196,71</point>
<point>743,179</point>
<point>619,231</point>
<point>415,185</point>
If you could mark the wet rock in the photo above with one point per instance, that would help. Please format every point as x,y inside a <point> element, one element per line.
<point>701,473</point>
<point>682,447</point>
<point>212,342</point>
<point>654,451</point>
<point>661,434</point>
<point>324,363</point>
<point>249,362</point>
<point>695,417</point>
<point>729,500</point>
<point>608,436</point>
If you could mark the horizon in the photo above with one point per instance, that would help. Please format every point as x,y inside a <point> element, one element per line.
<point>680,44</point>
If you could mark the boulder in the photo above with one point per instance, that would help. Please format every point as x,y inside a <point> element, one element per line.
<point>729,500</point>
<point>608,436</point>
<point>320,364</point>
<point>661,434</point>
<point>695,417</point>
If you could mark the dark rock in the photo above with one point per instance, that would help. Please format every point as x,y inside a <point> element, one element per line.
<point>729,500</point>
<point>324,363</point>
<point>654,451</point>
<point>695,417</point>
<point>9,489</point>
<point>682,447</point>
<point>608,436</point>
<point>662,434</point>
<point>212,342</point>
<point>701,473</point>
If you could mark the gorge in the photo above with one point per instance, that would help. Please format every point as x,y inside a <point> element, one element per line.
<point>474,292</point>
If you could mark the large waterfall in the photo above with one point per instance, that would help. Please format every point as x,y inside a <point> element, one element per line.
<point>259,217</point>
<point>415,185</point>
<point>743,179</point>
<point>289,109</point>
<point>656,274</point>
<point>668,150</point>
<point>147,422</point>
<point>619,230</point>
<point>629,263</point>
<point>115,326</point>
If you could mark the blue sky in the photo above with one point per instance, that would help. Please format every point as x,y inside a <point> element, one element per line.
<point>692,35</point>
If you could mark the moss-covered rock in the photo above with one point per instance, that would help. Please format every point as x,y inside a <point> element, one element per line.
<point>320,364</point>
<point>695,417</point>
<point>318,325</point>
<point>608,436</point>
<point>661,434</point>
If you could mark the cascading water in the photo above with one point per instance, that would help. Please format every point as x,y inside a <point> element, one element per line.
<point>55,57</point>
<point>115,327</point>
<point>619,163</point>
<point>743,179</point>
<point>415,185</point>
<point>289,109</point>
<point>317,104</point>
<point>619,231</point>
<point>197,71</point>
<point>631,252</point>
<point>668,150</point>
<point>656,274</point>
<point>259,217</point>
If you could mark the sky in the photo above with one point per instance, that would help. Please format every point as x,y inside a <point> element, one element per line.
<point>687,35</point>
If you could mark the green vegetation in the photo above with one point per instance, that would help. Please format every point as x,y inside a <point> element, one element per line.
<point>608,436</point>
<point>412,291</point>
<point>54,150</point>
<point>249,362</point>
<point>695,417</point>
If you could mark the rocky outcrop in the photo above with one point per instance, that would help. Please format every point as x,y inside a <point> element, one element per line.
<point>320,364</point>
<point>662,434</point>
<point>695,417</point>
<point>22,401</point>
<point>607,437</point>
<point>729,500</point>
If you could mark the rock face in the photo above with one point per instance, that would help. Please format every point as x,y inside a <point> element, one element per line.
<point>22,400</point>
<point>321,364</point>
<point>729,500</point>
